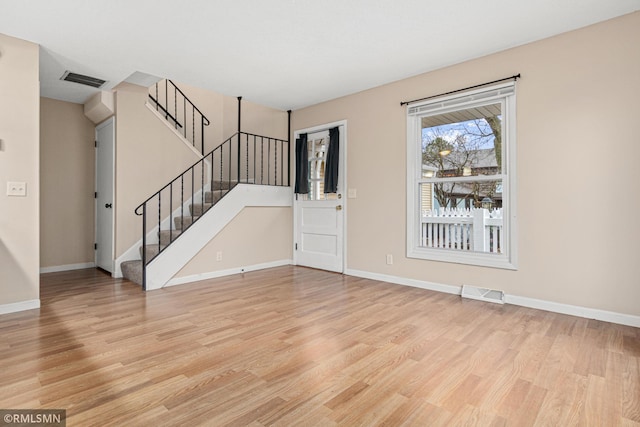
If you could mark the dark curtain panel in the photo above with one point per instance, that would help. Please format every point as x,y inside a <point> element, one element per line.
<point>333,159</point>
<point>302,165</point>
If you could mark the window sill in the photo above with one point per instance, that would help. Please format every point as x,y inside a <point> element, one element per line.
<point>468,258</point>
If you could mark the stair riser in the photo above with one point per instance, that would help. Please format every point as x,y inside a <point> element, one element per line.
<point>132,270</point>
<point>183,222</point>
<point>223,185</point>
<point>198,209</point>
<point>214,196</point>
<point>167,236</point>
<point>152,251</point>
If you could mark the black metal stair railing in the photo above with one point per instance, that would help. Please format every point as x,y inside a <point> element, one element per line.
<point>180,112</point>
<point>244,158</point>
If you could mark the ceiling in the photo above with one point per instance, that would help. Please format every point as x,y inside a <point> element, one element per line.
<point>286,54</point>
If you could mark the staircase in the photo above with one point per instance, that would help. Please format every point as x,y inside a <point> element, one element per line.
<point>133,271</point>
<point>169,214</point>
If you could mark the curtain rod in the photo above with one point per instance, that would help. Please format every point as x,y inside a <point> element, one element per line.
<point>516,77</point>
<point>319,130</point>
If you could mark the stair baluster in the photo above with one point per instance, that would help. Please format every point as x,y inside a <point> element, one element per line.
<point>179,117</point>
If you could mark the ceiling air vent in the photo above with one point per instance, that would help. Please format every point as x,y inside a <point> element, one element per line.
<point>68,76</point>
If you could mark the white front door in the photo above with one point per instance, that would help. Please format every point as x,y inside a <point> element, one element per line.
<point>105,141</point>
<point>319,218</point>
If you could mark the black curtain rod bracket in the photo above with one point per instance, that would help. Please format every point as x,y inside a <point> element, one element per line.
<point>515,77</point>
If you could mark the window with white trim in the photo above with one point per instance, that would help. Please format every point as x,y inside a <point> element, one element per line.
<point>461,178</point>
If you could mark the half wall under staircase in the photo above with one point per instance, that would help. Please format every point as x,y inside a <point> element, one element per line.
<point>164,265</point>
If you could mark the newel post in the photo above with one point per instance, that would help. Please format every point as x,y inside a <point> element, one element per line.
<point>289,147</point>
<point>239,130</point>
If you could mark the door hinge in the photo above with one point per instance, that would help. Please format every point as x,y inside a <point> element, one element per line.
<point>296,246</point>
<point>95,143</point>
<point>95,195</point>
<point>95,246</point>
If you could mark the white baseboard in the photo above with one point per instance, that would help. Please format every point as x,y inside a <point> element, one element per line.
<point>228,272</point>
<point>555,307</point>
<point>67,267</point>
<point>449,289</point>
<point>19,306</point>
<point>574,310</point>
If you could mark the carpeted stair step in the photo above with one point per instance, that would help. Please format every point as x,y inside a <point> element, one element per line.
<point>223,185</point>
<point>198,209</point>
<point>181,223</point>
<point>132,270</point>
<point>168,236</point>
<point>214,196</point>
<point>152,250</point>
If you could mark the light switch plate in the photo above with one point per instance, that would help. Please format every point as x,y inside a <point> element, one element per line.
<point>17,189</point>
<point>352,193</point>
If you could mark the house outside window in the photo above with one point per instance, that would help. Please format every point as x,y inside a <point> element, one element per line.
<point>461,178</point>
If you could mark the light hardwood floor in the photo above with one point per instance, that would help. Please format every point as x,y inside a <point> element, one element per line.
<point>299,347</point>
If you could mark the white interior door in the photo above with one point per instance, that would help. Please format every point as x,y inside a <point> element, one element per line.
<point>105,142</point>
<point>319,223</point>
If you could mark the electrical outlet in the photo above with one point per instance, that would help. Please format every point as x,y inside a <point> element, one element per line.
<point>17,189</point>
<point>389,259</point>
<point>219,256</point>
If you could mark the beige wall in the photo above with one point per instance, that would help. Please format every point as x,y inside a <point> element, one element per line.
<point>67,184</point>
<point>255,118</point>
<point>222,111</point>
<point>19,142</point>
<point>577,180</point>
<point>148,156</point>
<point>257,235</point>
<point>211,105</point>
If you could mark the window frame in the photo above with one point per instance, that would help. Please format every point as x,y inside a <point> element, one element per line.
<point>504,93</point>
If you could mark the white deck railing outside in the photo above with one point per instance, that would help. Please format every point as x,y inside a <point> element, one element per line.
<point>478,230</point>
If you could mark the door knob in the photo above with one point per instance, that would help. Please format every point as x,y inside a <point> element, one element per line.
<point>339,207</point>
<point>107,205</point>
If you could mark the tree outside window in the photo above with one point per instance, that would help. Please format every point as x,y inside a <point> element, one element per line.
<point>459,206</point>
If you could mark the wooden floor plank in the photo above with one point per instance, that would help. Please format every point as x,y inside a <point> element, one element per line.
<point>296,346</point>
